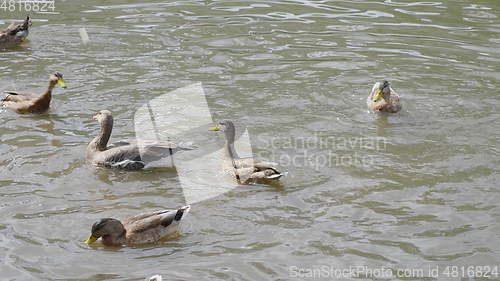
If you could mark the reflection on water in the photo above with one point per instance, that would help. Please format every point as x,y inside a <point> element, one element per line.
<point>286,70</point>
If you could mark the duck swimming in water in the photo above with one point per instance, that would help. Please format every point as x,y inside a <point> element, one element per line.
<point>32,103</point>
<point>383,98</point>
<point>14,34</point>
<point>123,154</point>
<point>139,229</point>
<point>246,170</point>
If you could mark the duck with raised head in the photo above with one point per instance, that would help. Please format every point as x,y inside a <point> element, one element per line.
<point>246,170</point>
<point>383,98</point>
<point>143,228</point>
<point>123,154</point>
<point>32,103</point>
<point>14,34</point>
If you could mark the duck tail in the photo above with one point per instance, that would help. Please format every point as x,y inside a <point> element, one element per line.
<point>4,99</point>
<point>27,23</point>
<point>275,176</point>
<point>181,211</point>
<point>16,29</point>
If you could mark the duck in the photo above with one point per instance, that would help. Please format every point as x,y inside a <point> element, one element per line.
<point>123,154</point>
<point>143,228</point>
<point>383,98</point>
<point>14,34</point>
<point>24,103</point>
<point>246,170</point>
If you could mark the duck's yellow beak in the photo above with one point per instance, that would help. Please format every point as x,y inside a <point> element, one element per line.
<point>216,128</point>
<point>61,82</point>
<point>91,239</point>
<point>378,95</point>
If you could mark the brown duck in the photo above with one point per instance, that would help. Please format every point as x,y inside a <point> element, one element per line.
<point>245,170</point>
<point>123,154</point>
<point>383,98</point>
<point>14,34</point>
<point>143,228</point>
<point>32,103</point>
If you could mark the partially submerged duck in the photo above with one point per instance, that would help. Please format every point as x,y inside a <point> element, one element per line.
<point>123,154</point>
<point>32,103</point>
<point>143,228</point>
<point>14,34</point>
<point>383,98</point>
<point>246,170</point>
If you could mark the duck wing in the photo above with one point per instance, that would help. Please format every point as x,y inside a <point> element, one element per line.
<point>132,158</point>
<point>154,151</point>
<point>124,157</point>
<point>250,170</point>
<point>394,97</point>
<point>117,144</point>
<point>151,227</point>
<point>146,221</point>
<point>14,96</point>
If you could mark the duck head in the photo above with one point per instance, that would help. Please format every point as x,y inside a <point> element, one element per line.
<point>57,78</point>
<point>107,228</point>
<point>382,90</point>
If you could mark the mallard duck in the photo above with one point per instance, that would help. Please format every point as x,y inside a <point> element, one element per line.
<point>246,170</point>
<point>143,228</point>
<point>124,154</point>
<point>33,103</point>
<point>383,98</point>
<point>14,34</point>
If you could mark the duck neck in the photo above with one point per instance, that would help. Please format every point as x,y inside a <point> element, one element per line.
<point>47,95</point>
<point>230,133</point>
<point>118,239</point>
<point>101,141</point>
